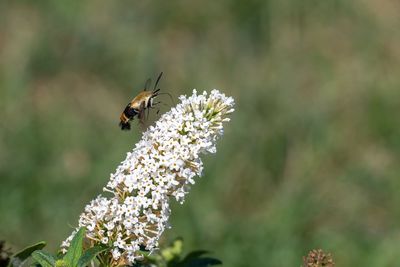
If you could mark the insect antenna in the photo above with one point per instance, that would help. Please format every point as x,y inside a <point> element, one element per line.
<point>158,79</point>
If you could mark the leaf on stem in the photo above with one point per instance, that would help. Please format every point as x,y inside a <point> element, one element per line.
<point>90,254</point>
<point>18,258</point>
<point>75,249</point>
<point>44,258</point>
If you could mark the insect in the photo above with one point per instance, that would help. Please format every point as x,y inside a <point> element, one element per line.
<point>139,104</point>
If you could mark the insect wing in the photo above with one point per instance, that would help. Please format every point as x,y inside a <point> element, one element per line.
<point>147,84</point>
<point>142,113</point>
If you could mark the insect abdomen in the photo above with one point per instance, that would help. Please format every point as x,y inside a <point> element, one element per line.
<point>128,114</point>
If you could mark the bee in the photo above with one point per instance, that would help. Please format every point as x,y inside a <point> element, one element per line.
<point>139,104</point>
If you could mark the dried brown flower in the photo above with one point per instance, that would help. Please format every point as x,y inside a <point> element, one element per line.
<point>4,254</point>
<point>318,258</point>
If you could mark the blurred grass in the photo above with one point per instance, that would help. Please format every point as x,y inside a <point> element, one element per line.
<point>310,159</point>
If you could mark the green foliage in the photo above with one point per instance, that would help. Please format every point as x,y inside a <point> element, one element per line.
<point>20,257</point>
<point>90,255</point>
<point>75,249</point>
<point>195,259</point>
<point>76,256</point>
<point>171,256</point>
<point>44,258</point>
<point>173,251</point>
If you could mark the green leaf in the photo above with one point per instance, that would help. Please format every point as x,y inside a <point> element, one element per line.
<point>75,249</point>
<point>90,254</point>
<point>194,259</point>
<point>173,251</point>
<point>18,258</point>
<point>61,263</point>
<point>195,254</point>
<point>44,258</point>
<point>201,262</point>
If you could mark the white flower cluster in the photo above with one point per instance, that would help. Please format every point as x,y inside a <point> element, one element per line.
<point>162,165</point>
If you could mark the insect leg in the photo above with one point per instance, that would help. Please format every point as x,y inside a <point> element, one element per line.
<point>159,102</point>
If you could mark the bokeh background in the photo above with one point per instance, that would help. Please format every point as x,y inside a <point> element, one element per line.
<point>309,160</point>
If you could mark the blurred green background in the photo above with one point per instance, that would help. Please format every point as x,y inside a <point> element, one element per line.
<point>309,160</point>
